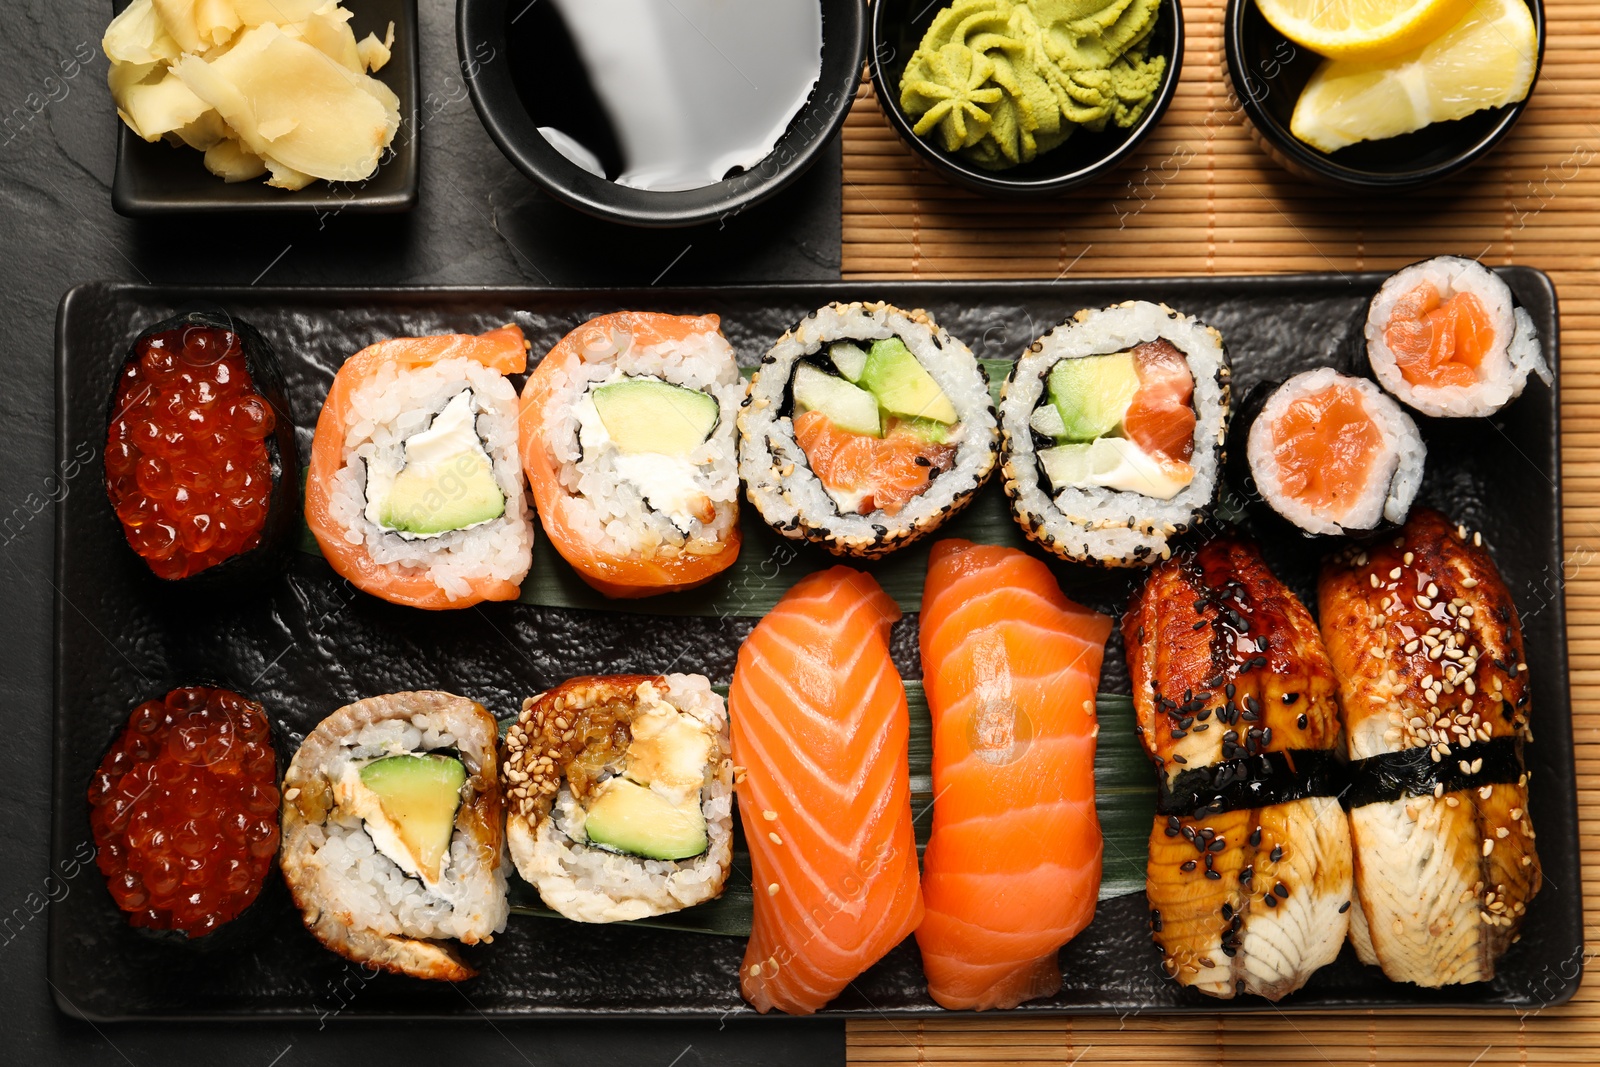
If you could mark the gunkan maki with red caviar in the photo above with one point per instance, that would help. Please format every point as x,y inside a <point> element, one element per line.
<point>201,466</point>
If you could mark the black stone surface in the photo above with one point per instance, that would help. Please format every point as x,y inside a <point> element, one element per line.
<point>303,644</point>
<point>478,223</point>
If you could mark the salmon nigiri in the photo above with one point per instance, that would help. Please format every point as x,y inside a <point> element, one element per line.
<point>821,727</point>
<point>1012,869</point>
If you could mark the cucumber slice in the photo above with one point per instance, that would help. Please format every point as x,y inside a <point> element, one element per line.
<point>1046,420</point>
<point>851,359</point>
<point>849,408</point>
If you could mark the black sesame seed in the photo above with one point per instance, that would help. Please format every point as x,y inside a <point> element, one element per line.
<point>1178,735</point>
<point>1204,715</point>
<point>1266,736</point>
<point>1277,853</point>
<point>1214,875</point>
<point>1179,759</point>
<point>1344,907</point>
<point>1200,624</point>
<point>1229,951</point>
<point>1290,698</point>
<point>921,461</point>
<point>1255,837</point>
<point>1187,866</point>
<point>1202,728</point>
<point>1227,911</point>
<point>1231,735</point>
<point>1282,890</point>
<point>1230,689</point>
<point>1247,875</point>
<point>1207,833</point>
<point>1238,987</point>
<point>1301,721</point>
<point>1270,901</point>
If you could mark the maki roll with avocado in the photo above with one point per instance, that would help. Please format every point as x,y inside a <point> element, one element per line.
<point>866,428</point>
<point>1447,338</point>
<point>621,795</point>
<point>1333,454</point>
<point>1112,427</point>
<point>627,439</point>
<point>414,493</point>
<point>392,839</point>
<point>200,460</point>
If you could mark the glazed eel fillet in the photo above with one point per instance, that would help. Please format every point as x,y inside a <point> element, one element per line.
<point>1249,870</point>
<point>1427,648</point>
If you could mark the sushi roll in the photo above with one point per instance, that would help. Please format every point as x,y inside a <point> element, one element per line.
<point>1447,338</point>
<point>1332,454</point>
<point>1112,428</point>
<point>392,839</point>
<point>621,795</point>
<point>866,428</point>
<point>415,493</point>
<point>627,438</point>
<point>200,461</point>
<point>1249,871</point>
<point>1427,647</point>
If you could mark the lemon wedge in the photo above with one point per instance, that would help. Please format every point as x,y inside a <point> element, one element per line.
<point>1488,59</point>
<point>1362,29</point>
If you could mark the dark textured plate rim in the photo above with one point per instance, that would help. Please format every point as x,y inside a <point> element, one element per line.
<point>508,124</point>
<point>1321,165</point>
<point>1567,854</point>
<point>994,182</point>
<point>256,198</point>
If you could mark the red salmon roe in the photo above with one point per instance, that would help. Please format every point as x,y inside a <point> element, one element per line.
<point>184,810</point>
<point>186,455</point>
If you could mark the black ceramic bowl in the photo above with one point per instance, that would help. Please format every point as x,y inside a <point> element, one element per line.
<point>491,34</point>
<point>158,179</point>
<point>898,27</point>
<point>1266,72</point>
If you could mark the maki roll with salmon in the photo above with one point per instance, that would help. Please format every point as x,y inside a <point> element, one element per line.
<point>1332,454</point>
<point>200,460</point>
<point>621,795</point>
<point>415,493</point>
<point>866,428</point>
<point>392,832</point>
<point>1112,428</point>
<point>627,438</point>
<point>1447,338</point>
<point>1249,871</point>
<point>1427,647</point>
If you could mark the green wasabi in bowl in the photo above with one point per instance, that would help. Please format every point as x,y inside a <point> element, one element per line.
<point>1002,80</point>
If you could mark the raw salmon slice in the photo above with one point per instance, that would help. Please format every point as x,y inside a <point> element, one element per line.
<point>1159,419</point>
<point>821,728</point>
<point>890,471</point>
<point>1012,870</point>
<point>1324,446</point>
<point>1438,342</point>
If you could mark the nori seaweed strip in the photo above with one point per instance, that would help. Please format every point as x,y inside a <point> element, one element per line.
<point>1412,772</point>
<point>1253,782</point>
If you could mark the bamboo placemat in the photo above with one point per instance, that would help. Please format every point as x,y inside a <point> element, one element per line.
<point>1201,198</point>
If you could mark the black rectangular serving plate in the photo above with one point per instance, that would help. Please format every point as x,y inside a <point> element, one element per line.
<point>307,643</point>
<point>153,179</point>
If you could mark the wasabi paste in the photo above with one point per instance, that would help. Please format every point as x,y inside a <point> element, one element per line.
<point>1002,80</point>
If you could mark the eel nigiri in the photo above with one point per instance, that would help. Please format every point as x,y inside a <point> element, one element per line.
<point>1012,869</point>
<point>1249,869</point>
<point>1427,648</point>
<point>627,436</point>
<point>821,727</point>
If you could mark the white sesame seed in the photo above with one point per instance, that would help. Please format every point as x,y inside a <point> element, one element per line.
<point>772,887</point>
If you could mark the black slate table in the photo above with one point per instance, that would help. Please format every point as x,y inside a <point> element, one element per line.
<point>479,223</point>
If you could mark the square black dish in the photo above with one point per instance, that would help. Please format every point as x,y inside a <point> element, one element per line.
<point>305,643</point>
<point>158,179</point>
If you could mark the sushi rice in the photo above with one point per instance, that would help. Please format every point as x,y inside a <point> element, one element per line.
<point>1096,524</point>
<point>389,408</point>
<point>1514,354</point>
<point>778,476</point>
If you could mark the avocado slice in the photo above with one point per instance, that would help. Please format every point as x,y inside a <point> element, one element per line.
<point>851,409</point>
<point>633,818</point>
<point>1092,393</point>
<point>933,432</point>
<point>850,358</point>
<point>445,483</point>
<point>419,795</point>
<point>902,385</point>
<point>650,415</point>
